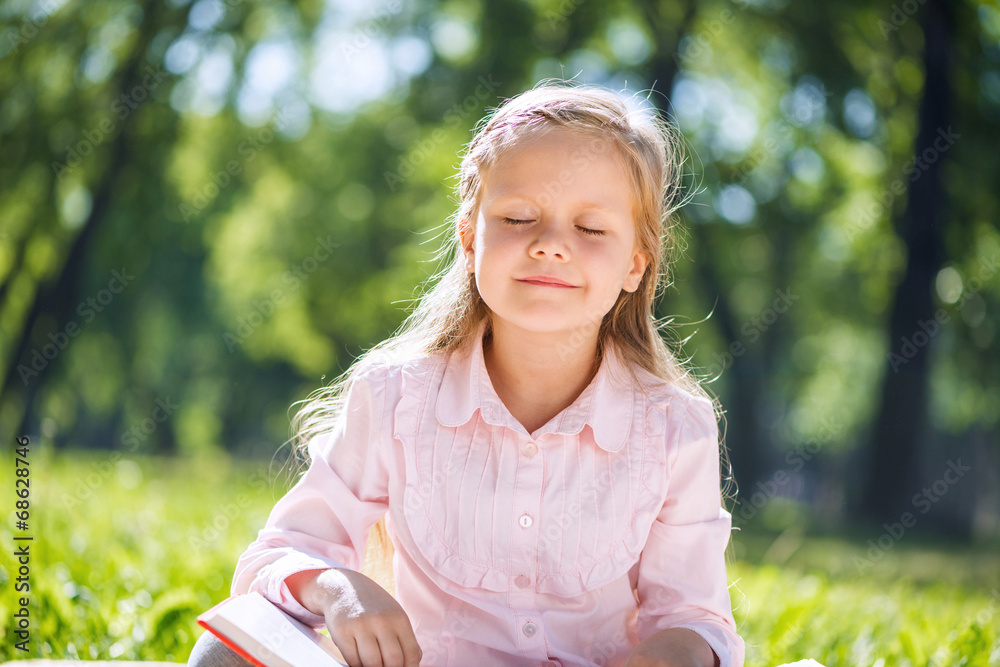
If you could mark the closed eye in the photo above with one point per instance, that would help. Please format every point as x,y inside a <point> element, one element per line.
<point>585,230</point>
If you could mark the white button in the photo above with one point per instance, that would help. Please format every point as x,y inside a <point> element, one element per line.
<point>529,629</point>
<point>522,581</point>
<point>526,521</point>
<point>530,449</point>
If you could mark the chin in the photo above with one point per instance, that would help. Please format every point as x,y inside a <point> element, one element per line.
<point>542,325</point>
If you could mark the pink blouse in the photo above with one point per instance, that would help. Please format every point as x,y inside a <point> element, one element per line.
<point>566,546</point>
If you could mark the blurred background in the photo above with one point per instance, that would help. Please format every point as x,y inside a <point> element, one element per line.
<point>208,209</point>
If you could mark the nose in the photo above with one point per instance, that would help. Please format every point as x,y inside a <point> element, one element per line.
<point>550,241</point>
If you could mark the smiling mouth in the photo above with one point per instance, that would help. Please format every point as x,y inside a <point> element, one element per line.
<point>542,283</point>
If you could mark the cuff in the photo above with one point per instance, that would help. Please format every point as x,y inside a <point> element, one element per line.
<point>271,584</point>
<point>729,650</point>
<point>292,606</point>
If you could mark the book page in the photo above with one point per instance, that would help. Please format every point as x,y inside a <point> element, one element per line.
<point>270,635</point>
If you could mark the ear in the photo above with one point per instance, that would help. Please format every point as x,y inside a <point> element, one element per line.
<point>467,240</point>
<point>636,271</point>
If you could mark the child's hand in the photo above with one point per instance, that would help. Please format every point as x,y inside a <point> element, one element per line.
<point>365,622</point>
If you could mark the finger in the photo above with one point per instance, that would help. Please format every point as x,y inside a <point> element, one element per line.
<point>392,652</point>
<point>412,654</point>
<point>368,649</point>
<point>349,649</point>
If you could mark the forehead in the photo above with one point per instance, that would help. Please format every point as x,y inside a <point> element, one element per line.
<point>560,162</point>
<point>583,145</point>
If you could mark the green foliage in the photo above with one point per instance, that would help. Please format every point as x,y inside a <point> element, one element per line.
<point>791,614</point>
<point>215,209</point>
<point>127,554</point>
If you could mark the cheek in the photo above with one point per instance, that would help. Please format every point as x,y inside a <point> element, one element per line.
<point>498,246</point>
<point>484,248</point>
<point>601,259</point>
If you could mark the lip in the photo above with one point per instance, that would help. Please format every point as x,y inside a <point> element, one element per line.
<point>545,281</point>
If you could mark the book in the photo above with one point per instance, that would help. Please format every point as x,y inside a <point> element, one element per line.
<point>265,635</point>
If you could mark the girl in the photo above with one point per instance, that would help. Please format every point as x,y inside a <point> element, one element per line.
<point>547,469</point>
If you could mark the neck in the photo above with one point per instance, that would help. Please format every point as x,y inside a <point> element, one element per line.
<point>539,374</point>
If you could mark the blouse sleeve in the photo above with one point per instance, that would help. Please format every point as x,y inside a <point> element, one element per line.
<point>682,579</point>
<point>325,519</point>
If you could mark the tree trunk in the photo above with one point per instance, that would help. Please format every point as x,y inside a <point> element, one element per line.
<point>59,297</point>
<point>902,418</point>
<point>743,442</point>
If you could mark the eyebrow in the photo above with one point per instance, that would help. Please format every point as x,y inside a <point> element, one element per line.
<point>585,206</point>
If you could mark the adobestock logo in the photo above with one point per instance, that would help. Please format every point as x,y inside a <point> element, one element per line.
<point>926,330</point>
<point>122,107</point>
<point>753,329</point>
<point>698,45</point>
<point>865,215</point>
<point>796,458</point>
<point>225,515</point>
<point>454,116</point>
<point>39,16</point>
<point>585,332</point>
<point>924,501</point>
<point>248,150</point>
<point>263,309</point>
<point>85,486</point>
<point>455,628</point>
<point>87,310</point>
<point>901,13</point>
<point>363,37</point>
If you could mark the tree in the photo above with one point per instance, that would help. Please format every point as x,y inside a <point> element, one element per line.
<point>901,423</point>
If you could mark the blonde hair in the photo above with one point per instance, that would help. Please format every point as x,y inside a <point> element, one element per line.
<point>447,316</point>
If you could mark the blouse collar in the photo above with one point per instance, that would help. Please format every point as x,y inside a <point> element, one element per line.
<point>607,404</point>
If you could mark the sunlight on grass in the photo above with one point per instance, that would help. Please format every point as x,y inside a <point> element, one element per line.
<point>126,553</point>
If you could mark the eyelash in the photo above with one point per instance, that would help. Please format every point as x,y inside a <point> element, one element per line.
<point>515,221</point>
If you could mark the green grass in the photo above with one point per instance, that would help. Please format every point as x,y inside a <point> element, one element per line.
<point>126,554</point>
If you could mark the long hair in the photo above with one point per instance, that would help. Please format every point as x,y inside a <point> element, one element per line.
<point>448,315</point>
